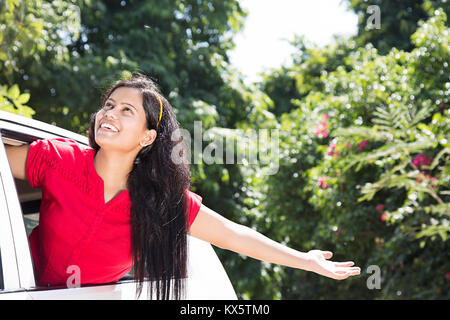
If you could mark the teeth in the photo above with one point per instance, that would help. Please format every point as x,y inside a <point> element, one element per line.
<point>108,126</point>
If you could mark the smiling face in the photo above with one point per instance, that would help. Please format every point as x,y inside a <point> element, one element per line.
<point>121,123</point>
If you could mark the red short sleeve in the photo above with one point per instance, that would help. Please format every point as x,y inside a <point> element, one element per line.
<point>194,204</point>
<point>37,162</point>
<point>44,154</point>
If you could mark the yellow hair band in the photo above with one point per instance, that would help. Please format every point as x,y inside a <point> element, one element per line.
<point>160,113</point>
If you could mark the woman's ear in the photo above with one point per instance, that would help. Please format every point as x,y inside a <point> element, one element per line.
<point>149,137</point>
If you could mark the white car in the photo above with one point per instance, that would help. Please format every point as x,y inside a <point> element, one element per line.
<point>19,214</point>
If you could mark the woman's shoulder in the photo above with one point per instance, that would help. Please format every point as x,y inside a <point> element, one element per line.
<point>62,155</point>
<point>192,196</point>
<point>194,202</point>
<point>61,149</point>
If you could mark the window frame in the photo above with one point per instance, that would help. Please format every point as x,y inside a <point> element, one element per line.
<point>24,261</point>
<point>25,130</point>
<point>10,271</point>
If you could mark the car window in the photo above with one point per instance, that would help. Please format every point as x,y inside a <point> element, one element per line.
<point>29,198</point>
<point>30,202</point>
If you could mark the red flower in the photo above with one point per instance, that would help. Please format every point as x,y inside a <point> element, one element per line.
<point>383,217</point>
<point>331,149</point>
<point>348,145</point>
<point>379,207</point>
<point>422,160</point>
<point>362,144</point>
<point>447,275</point>
<point>322,129</point>
<point>323,183</point>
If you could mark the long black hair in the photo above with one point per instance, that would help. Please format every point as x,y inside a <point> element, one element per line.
<point>157,188</point>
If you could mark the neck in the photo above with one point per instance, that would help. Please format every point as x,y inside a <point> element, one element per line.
<point>113,168</point>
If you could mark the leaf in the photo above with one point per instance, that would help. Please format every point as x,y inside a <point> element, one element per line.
<point>432,231</point>
<point>438,157</point>
<point>23,98</point>
<point>371,133</point>
<point>389,118</point>
<point>441,209</point>
<point>425,129</point>
<point>443,235</point>
<point>36,27</point>
<point>421,115</point>
<point>13,92</point>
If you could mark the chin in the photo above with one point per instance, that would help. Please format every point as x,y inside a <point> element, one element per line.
<point>115,143</point>
<point>106,142</point>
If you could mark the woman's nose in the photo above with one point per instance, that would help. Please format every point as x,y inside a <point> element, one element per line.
<point>110,114</point>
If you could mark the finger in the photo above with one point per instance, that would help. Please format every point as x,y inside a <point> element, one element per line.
<point>349,269</point>
<point>327,254</point>
<point>344,264</point>
<point>353,271</point>
<point>341,275</point>
<point>341,272</point>
<point>345,273</point>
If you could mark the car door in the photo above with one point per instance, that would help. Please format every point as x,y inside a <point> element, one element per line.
<point>207,280</point>
<point>10,286</point>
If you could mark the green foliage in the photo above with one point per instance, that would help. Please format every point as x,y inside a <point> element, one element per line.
<point>31,33</point>
<point>363,169</point>
<point>286,85</point>
<point>34,32</point>
<point>398,21</point>
<point>13,101</point>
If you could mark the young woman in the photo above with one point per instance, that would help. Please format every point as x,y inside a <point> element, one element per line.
<point>125,203</point>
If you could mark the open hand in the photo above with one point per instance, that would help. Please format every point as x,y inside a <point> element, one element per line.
<point>319,263</point>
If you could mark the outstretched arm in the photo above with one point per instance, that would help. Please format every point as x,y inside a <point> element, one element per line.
<point>223,233</point>
<point>17,156</point>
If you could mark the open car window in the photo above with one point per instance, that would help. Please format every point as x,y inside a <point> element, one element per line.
<point>30,199</point>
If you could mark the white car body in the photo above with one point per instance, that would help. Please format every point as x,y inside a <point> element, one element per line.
<point>207,279</point>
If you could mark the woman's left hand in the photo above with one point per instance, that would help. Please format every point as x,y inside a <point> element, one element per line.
<point>319,263</point>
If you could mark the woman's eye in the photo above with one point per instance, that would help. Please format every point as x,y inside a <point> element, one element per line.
<point>109,106</point>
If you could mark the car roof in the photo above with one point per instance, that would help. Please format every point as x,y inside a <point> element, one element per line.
<point>20,128</point>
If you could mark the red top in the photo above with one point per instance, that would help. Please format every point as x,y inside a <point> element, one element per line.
<point>76,227</point>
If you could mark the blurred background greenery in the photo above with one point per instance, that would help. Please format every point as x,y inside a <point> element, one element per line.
<point>363,125</point>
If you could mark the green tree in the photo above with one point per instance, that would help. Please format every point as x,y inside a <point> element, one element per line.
<point>347,181</point>
<point>179,43</point>
<point>398,21</point>
<point>28,33</point>
<point>286,84</point>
